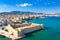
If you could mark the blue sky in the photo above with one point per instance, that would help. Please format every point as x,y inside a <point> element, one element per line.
<point>43,6</point>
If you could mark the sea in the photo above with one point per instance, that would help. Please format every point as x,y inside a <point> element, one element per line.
<point>51,30</point>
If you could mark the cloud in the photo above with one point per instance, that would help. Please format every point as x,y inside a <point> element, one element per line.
<point>23,5</point>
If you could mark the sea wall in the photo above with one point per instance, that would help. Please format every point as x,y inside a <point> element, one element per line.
<point>28,30</point>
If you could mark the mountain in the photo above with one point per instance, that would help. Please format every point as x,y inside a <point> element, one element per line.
<point>19,12</point>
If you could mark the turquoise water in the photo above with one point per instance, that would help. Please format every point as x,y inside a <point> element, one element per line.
<point>4,38</point>
<point>51,31</point>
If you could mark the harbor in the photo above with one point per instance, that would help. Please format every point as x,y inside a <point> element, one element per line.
<point>29,19</point>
